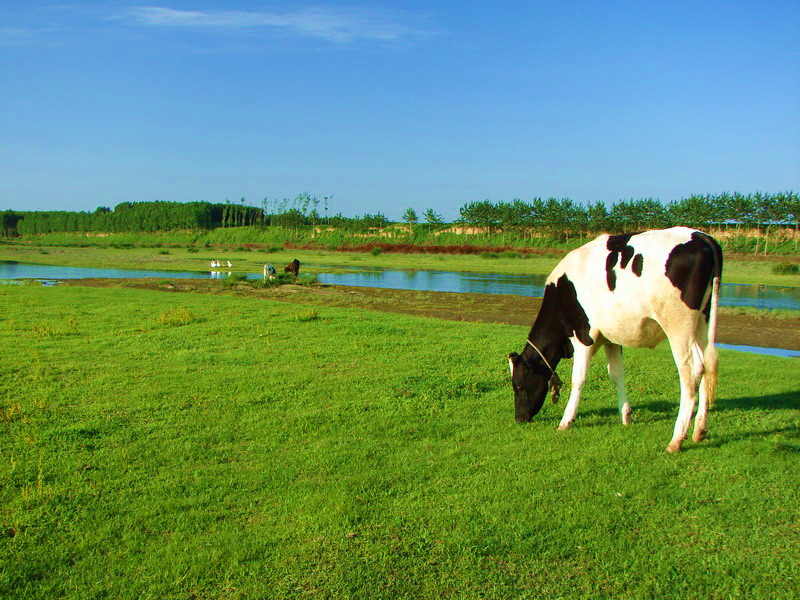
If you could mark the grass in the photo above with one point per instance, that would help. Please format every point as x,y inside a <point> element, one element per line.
<point>786,268</point>
<point>176,317</point>
<point>256,452</point>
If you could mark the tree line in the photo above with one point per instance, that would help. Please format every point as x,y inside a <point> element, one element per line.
<point>134,217</point>
<point>563,218</point>
<point>558,218</point>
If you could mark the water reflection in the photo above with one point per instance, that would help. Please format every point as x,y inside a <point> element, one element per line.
<point>441,281</point>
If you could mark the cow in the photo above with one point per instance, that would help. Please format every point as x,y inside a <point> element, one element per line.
<point>627,290</point>
<point>293,267</point>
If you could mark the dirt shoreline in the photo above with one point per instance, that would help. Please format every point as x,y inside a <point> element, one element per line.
<point>734,328</point>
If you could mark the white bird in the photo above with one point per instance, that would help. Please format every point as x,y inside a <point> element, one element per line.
<point>229,264</point>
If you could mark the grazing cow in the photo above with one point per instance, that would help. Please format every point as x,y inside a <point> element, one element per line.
<point>627,290</point>
<point>269,271</point>
<point>293,267</point>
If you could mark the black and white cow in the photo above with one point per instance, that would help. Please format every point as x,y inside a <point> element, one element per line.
<point>627,290</point>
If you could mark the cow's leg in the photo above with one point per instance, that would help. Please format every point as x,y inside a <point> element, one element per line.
<point>580,367</point>
<point>616,372</point>
<point>683,351</point>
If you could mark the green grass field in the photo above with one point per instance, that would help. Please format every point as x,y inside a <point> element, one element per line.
<point>157,445</point>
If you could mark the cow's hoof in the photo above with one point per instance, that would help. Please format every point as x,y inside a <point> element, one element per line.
<point>563,427</point>
<point>626,419</point>
<point>699,436</point>
<point>674,447</point>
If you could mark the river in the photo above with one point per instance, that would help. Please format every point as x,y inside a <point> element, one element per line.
<point>731,294</point>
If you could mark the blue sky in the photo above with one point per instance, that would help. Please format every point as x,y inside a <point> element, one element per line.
<point>389,105</point>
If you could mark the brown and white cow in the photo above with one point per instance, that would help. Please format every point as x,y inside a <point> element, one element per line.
<point>627,290</point>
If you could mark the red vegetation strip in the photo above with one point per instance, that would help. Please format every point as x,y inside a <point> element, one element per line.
<point>417,249</point>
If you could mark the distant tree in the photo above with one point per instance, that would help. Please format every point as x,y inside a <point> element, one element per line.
<point>597,215</point>
<point>10,221</point>
<point>480,214</point>
<point>432,217</point>
<point>377,220</point>
<point>410,216</point>
<point>793,211</point>
<point>291,219</point>
<point>303,201</point>
<point>314,214</point>
<point>326,204</point>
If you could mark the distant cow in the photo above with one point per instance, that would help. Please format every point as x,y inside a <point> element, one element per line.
<point>293,267</point>
<point>627,290</point>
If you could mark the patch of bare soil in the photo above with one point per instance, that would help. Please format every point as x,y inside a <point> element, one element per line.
<point>741,329</point>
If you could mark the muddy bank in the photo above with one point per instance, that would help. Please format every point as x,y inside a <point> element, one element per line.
<point>734,328</point>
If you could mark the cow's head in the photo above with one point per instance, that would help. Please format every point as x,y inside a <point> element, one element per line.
<point>530,381</point>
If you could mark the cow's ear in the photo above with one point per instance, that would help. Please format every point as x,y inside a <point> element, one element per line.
<point>512,360</point>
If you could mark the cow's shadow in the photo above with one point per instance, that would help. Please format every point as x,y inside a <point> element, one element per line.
<point>773,401</point>
<point>658,411</point>
<point>790,441</point>
<point>663,410</point>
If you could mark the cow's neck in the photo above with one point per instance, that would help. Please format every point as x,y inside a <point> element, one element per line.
<point>549,339</point>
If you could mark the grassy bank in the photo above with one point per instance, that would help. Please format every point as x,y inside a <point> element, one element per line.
<point>455,239</point>
<point>320,238</point>
<point>160,445</point>
<point>246,260</point>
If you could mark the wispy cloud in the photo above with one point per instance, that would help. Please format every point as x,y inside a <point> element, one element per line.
<point>16,36</point>
<point>337,25</point>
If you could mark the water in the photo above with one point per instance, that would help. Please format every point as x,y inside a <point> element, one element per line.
<point>441,281</point>
<point>760,350</point>
<point>731,294</point>
<point>15,270</point>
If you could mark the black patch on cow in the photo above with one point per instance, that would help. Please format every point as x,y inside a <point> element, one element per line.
<point>690,267</point>
<point>560,318</point>
<point>617,245</point>
<point>571,313</point>
<point>638,263</point>
<point>611,277</point>
<point>627,254</point>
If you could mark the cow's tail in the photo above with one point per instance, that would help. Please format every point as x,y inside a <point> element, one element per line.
<point>710,358</point>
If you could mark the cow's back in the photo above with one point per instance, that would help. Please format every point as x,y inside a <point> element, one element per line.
<point>622,285</point>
